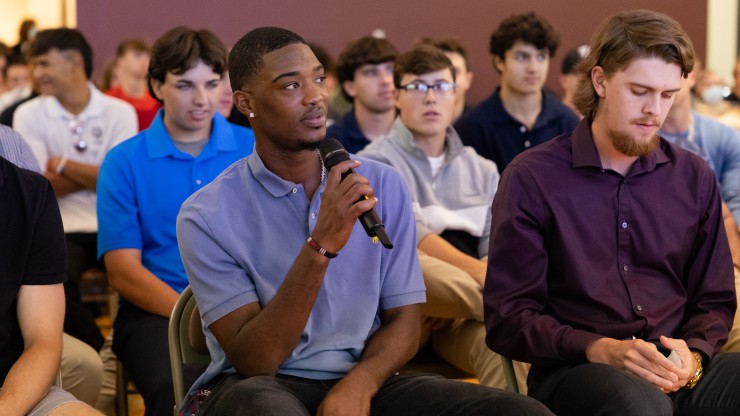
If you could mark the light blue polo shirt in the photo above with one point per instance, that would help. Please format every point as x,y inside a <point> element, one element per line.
<point>240,235</point>
<point>144,180</point>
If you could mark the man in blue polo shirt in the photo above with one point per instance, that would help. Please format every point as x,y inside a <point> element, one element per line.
<point>302,313</point>
<point>142,184</point>
<point>519,114</point>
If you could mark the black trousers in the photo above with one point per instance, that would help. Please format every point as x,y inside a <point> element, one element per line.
<point>428,395</point>
<point>140,343</point>
<point>599,389</point>
<point>78,321</point>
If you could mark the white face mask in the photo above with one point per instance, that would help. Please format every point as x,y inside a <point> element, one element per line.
<point>714,94</point>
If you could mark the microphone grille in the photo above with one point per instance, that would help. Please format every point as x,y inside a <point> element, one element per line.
<point>332,152</point>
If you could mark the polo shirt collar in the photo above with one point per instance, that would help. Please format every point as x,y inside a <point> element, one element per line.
<point>274,184</point>
<point>586,155</point>
<point>159,143</point>
<point>94,107</point>
<point>549,103</point>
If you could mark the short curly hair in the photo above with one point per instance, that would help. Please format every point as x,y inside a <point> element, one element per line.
<point>526,27</point>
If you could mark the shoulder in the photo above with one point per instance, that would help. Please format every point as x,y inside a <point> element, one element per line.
<point>32,107</point>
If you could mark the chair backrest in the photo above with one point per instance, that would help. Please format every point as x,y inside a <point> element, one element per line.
<point>181,352</point>
<point>510,375</point>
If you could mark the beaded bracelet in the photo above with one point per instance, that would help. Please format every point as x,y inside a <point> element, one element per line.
<point>315,245</point>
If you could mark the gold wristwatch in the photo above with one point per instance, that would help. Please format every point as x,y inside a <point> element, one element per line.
<point>699,371</point>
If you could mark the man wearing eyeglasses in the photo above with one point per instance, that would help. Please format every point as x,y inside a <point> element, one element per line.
<point>519,114</point>
<point>451,189</point>
<point>70,128</point>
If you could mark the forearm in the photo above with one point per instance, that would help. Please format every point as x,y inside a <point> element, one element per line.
<point>437,247</point>
<point>280,323</point>
<point>82,174</point>
<point>62,186</point>
<point>29,379</point>
<point>141,287</point>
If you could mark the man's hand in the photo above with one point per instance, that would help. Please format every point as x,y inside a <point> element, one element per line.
<point>645,361</point>
<point>339,206</point>
<point>349,397</point>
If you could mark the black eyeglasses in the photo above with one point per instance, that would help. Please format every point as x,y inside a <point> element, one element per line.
<point>420,89</point>
<point>76,126</point>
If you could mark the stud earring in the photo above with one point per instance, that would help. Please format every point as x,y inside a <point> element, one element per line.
<point>251,115</point>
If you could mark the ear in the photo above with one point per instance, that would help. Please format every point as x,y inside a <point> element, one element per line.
<point>244,102</point>
<point>349,88</point>
<point>598,79</point>
<point>396,94</point>
<point>691,80</point>
<point>498,63</point>
<point>157,88</point>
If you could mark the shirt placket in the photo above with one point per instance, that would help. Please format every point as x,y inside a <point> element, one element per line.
<point>624,249</point>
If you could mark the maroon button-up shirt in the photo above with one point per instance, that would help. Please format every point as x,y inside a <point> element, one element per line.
<point>578,253</point>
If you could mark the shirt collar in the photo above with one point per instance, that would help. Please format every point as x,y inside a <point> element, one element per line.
<point>549,103</point>
<point>94,107</point>
<point>586,155</point>
<point>453,143</point>
<point>274,184</point>
<point>159,143</point>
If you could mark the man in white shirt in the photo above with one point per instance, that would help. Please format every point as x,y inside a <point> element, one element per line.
<point>69,129</point>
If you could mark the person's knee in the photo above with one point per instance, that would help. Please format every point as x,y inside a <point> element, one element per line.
<point>260,395</point>
<point>639,401</point>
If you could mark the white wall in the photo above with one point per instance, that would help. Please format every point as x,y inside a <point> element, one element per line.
<point>48,14</point>
<point>722,16</point>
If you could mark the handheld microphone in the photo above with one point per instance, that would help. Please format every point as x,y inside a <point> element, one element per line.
<point>332,153</point>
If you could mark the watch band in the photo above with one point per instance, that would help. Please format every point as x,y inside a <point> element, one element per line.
<point>699,371</point>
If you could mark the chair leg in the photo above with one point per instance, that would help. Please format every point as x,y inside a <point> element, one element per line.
<point>510,375</point>
<point>121,390</point>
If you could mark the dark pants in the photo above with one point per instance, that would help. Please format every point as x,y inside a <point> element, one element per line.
<point>140,343</point>
<point>400,395</point>
<point>78,321</point>
<point>599,389</point>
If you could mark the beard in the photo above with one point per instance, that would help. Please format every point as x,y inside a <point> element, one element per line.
<point>628,146</point>
<point>308,145</point>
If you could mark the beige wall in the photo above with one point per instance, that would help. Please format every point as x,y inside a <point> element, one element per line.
<point>48,14</point>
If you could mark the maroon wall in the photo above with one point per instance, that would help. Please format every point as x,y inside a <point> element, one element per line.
<point>332,24</point>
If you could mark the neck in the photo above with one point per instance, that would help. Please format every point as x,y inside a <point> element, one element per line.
<point>185,136</point>
<point>610,157</point>
<point>678,119</point>
<point>75,99</point>
<point>374,125</point>
<point>523,107</point>
<point>303,166</point>
<point>432,146</point>
<point>132,86</point>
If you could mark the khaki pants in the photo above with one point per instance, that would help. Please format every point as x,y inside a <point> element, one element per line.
<point>452,293</point>
<point>82,370</point>
<point>733,341</point>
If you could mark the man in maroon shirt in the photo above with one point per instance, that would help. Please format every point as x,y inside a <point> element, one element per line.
<point>609,266</point>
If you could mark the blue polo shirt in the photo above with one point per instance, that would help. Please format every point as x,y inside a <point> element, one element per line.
<point>496,135</point>
<point>240,235</point>
<point>143,182</point>
<point>347,131</point>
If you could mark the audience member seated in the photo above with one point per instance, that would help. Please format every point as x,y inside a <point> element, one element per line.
<point>32,304</point>
<point>451,188</point>
<point>17,77</point>
<point>132,60</point>
<point>463,75</point>
<point>81,368</point>
<point>519,114</point>
<point>26,33</point>
<point>142,184</point>
<point>339,315</point>
<point>365,71</point>
<point>569,77</point>
<point>711,90</point>
<point>70,128</point>
<point>609,269</point>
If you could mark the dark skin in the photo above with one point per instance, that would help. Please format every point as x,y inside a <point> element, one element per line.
<point>289,100</point>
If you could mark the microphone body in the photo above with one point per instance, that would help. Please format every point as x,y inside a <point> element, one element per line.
<point>332,153</point>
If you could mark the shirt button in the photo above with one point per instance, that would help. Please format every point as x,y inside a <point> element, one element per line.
<point>198,181</point>
<point>294,190</point>
<point>527,144</point>
<point>639,308</point>
<point>625,268</point>
<point>624,224</point>
<point>313,215</point>
<point>523,129</point>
